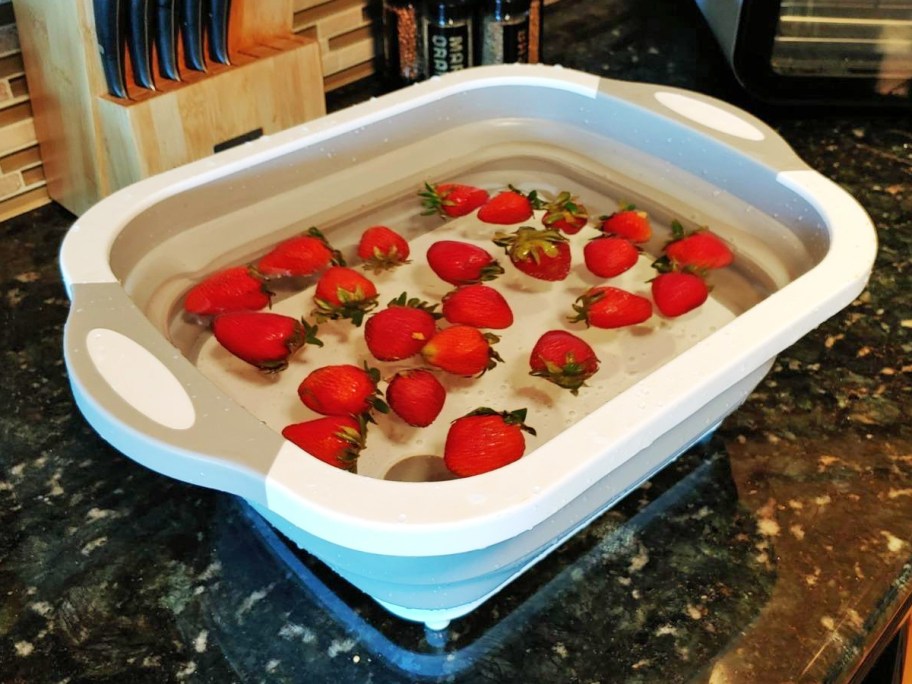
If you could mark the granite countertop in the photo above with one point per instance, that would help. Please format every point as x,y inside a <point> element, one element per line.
<point>777,551</point>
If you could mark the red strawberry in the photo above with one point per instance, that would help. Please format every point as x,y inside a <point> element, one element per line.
<point>628,223</point>
<point>485,440</point>
<point>400,330</point>
<point>234,289</point>
<point>700,250</point>
<point>608,257</point>
<point>342,292</point>
<point>416,396</point>
<point>461,263</point>
<point>677,292</point>
<point>542,254</point>
<point>565,214</point>
<point>452,199</point>
<point>263,339</point>
<point>508,207</point>
<point>477,305</point>
<point>381,248</point>
<point>610,307</point>
<point>299,256</point>
<point>337,440</point>
<point>462,350</point>
<point>564,359</point>
<point>343,390</point>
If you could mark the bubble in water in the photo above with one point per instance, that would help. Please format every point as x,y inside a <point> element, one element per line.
<point>402,517</point>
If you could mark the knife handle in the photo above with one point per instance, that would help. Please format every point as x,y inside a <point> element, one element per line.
<point>139,41</point>
<point>219,16</point>
<point>166,37</point>
<point>191,25</point>
<point>110,33</point>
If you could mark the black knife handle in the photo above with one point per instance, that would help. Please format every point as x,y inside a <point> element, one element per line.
<point>191,24</point>
<point>110,32</point>
<point>139,41</point>
<point>166,37</point>
<point>219,16</point>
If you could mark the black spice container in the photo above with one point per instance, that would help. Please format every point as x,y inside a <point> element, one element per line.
<point>504,31</point>
<point>402,42</point>
<point>448,36</point>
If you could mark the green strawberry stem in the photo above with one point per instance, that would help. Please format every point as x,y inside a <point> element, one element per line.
<point>432,202</point>
<point>571,376</point>
<point>353,306</point>
<point>376,402</point>
<point>310,334</point>
<point>493,357</point>
<point>383,261</point>
<point>515,417</point>
<point>677,230</point>
<point>337,258</point>
<point>624,206</point>
<point>536,201</point>
<point>355,440</point>
<point>528,242</point>
<point>415,303</point>
<point>582,305</point>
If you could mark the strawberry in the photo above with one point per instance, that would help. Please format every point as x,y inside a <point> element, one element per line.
<point>607,256</point>
<point>485,440</point>
<point>342,292</point>
<point>542,254</point>
<point>677,292</point>
<point>337,440</point>
<point>477,305</point>
<point>508,207</point>
<point>343,390</point>
<point>565,214</point>
<point>263,339</point>
<point>699,250</point>
<point>400,330</point>
<point>238,288</point>
<point>416,396</point>
<point>299,256</point>
<point>610,307</point>
<point>461,263</point>
<point>381,248</point>
<point>627,222</point>
<point>462,350</point>
<point>564,359</point>
<point>451,199</point>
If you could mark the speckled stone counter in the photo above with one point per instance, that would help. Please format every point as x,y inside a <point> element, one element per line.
<point>778,551</point>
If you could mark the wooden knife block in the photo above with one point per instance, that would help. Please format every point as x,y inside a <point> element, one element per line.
<point>93,144</point>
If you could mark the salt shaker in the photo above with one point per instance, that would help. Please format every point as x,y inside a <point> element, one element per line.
<point>505,31</point>
<point>448,36</point>
<point>401,41</point>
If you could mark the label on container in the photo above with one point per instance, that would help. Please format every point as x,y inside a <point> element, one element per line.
<point>449,48</point>
<point>516,43</point>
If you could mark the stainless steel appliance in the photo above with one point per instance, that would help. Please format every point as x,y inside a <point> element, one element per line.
<point>847,51</point>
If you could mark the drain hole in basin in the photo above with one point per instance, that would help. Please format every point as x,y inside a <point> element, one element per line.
<point>425,468</point>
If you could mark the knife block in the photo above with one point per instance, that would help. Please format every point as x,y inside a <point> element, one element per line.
<point>93,144</point>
